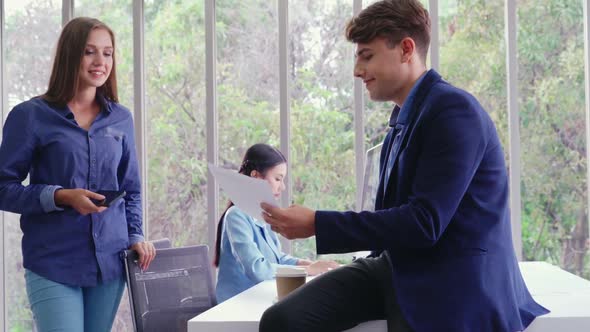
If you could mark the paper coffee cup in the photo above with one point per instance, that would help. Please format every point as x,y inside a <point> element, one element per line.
<point>288,279</point>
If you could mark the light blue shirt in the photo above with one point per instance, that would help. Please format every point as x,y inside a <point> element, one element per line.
<point>250,253</point>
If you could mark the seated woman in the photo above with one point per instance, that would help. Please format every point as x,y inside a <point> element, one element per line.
<point>247,251</point>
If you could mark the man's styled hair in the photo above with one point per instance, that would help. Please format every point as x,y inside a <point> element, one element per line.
<point>393,20</point>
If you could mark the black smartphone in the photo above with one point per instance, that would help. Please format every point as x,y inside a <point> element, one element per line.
<point>110,196</point>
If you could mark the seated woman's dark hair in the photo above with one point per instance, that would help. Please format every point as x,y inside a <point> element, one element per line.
<point>259,157</point>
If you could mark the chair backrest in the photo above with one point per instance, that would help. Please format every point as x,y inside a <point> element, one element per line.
<point>162,243</point>
<point>177,286</point>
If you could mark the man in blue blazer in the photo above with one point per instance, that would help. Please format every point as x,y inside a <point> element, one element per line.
<point>443,256</point>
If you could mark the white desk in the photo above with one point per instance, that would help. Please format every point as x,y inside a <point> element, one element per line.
<point>566,295</point>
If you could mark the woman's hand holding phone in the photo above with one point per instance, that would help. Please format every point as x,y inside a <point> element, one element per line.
<point>80,200</point>
<point>110,197</point>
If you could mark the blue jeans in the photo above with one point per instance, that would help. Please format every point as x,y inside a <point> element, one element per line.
<point>59,307</point>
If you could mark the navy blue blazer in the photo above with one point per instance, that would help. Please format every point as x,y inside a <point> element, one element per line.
<point>443,217</point>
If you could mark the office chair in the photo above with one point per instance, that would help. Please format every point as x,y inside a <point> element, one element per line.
<point>162,243</point>
<point>175,288</point>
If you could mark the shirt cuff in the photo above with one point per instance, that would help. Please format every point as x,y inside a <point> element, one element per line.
<point>48,200</point>
<point>135,238</point>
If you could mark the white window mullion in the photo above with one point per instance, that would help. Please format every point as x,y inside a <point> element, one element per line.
<point>212,121</point>
<point>3,106</point>
<point>359,125</point>
<point>513,125</point>
<point>587,94</point>
<point>285,109</point>
<point>434,35</point>
<point>67,11</point>
<point>139,111</point>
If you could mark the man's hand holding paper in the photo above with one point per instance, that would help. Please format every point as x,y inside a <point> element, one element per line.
<point>294,222</point>
<point>245,192</point>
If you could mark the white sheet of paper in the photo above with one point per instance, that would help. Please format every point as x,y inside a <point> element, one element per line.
<point>246,192</point>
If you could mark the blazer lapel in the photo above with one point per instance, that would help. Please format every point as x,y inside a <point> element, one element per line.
<point>400,135</point>
<point>403,125</point>
<point>385,150</point>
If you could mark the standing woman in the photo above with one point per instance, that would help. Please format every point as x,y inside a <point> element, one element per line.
<point>73,141</point>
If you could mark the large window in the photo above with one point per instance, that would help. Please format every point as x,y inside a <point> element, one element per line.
<point>31,28</point>
<point>175,108</point>
<point>551,85</point>
<point>247,79</point>
<point>473,58</point>
<point>322,134</point>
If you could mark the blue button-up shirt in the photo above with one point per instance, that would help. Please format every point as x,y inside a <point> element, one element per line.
<point>250,253</point>
<point>45,142</point>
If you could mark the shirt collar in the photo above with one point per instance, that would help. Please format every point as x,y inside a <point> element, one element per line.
<point>104,103</point>
<point>64,110</point>
<point>400,114</point>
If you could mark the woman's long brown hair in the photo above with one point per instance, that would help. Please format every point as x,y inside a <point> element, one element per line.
<point>65,74</point>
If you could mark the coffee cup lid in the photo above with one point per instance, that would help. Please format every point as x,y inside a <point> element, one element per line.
<point>291,271</point>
